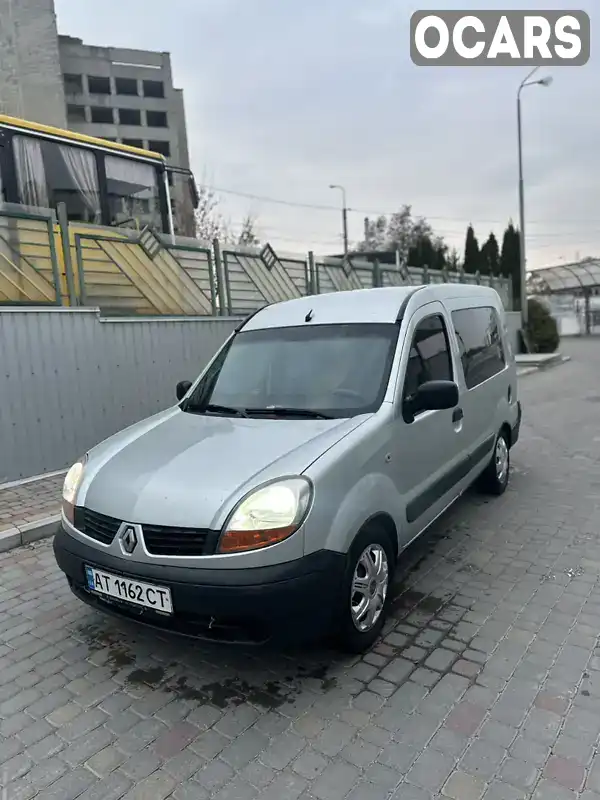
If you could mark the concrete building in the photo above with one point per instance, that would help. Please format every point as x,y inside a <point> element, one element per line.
<point>30,76</point>
<point>128,96</point>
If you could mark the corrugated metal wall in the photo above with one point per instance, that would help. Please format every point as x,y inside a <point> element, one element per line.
<point>69,379</point>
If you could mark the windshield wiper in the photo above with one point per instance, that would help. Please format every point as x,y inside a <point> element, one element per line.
<point>284,411</point>
<point>197,408</point>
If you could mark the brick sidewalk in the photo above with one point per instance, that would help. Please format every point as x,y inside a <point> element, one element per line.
<point>30,502</point>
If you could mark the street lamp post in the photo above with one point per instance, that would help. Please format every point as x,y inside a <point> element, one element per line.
<point>344,215</point>
<point>522,255</point>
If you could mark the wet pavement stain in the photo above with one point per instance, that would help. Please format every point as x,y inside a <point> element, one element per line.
<point>319,673</point>
<point>151,677</point>
<point>184,691</point>
<point>98,638</point>
<point>409,600</point>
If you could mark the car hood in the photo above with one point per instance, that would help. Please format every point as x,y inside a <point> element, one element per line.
<point>188,470</point>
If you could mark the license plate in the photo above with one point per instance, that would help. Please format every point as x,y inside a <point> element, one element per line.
<point>158,598</point>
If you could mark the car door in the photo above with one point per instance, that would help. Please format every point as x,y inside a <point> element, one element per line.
<point>429,449</point>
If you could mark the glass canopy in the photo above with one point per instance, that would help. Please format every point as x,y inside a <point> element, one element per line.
<point>569,277</point>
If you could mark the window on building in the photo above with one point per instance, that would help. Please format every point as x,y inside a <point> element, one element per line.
<point>154,89</point>
<point>127,86</point>
<point>134,142</point>
<point>73,83</point>
<point>156,119</point>
<point>49,173</point>
<point>130,116</point>
<point>429,358</point>
<point>97,85</point>
<point>479,343</point>
<point>133,194</point>
<point>160,146</point>
<point>75,113</point>
<point>101,115</point>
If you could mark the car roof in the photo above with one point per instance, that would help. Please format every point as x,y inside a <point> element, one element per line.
<point>382,305</point>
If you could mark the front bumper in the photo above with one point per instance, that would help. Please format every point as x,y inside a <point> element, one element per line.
<point>286,603</point>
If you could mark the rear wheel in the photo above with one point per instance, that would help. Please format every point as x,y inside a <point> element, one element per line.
<point>365,590</point>
<point>494,478</point>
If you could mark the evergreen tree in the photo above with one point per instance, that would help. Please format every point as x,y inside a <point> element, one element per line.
<point>453,260</point>
<point>510,265</point>
<point>472,255</point>
<point>490,256</point>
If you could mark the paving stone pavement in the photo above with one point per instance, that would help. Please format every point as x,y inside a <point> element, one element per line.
<point>30,502</point>
<point>485,685</point>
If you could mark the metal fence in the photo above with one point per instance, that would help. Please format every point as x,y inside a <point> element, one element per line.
<point>44,259</point>
<point>70,378</point>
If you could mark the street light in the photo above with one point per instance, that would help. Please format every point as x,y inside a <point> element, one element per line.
<point>344,215</point>
<point>523,260</point>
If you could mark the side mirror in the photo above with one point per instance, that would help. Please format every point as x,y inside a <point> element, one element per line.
<point>182,389</point>
<point>431,396</point>
<point>437,395</point>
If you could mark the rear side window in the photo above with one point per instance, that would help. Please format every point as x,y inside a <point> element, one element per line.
<point>429,358</point>
<point>479,343</point>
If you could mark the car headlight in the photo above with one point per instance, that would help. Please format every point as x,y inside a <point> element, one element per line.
<point>266,516</point>
<point>71,487</point>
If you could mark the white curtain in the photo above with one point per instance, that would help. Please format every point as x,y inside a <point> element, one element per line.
<point>31,175</point>
<point>132,190</point>
<point>82,171</point>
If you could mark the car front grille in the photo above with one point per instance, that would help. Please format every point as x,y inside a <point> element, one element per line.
<point>97,526</point>
<point>160,540</point>
<point>168,541</point>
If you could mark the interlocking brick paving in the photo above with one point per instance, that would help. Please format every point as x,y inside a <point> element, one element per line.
<point>29,502</point>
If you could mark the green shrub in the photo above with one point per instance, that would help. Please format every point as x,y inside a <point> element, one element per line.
<point>542,329</point>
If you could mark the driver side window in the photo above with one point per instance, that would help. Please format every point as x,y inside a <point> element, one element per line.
<point>429,358</point>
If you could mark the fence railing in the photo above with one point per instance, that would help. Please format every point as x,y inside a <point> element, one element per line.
<point>29,268</point>
<point>46,260</point>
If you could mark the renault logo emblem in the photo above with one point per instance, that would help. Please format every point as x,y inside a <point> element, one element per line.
<point>128,540</point>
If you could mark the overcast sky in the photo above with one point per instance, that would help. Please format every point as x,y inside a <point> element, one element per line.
<point>285,97</point>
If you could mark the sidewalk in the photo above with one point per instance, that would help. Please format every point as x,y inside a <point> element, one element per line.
<point>29,511</point>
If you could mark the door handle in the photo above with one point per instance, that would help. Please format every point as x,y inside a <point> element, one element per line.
<point>457,415</point>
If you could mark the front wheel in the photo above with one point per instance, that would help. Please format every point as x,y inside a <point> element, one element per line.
<point>365,590</point>
<point>494,478</point>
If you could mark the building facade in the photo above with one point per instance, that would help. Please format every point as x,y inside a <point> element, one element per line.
<point>30,77</point>
<point>119,94</point>
<point>128,96</point>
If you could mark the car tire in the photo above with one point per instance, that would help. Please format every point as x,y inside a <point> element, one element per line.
<point>494,479</point>
<point>365,590</point>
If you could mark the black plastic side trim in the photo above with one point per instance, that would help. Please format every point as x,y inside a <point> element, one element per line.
<point>244,322</point>
<point>516,429</point>
<point>443,485</point>
<point>405,302</point>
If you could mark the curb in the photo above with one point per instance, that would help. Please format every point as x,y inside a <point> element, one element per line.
<point>27,534</point>
<point>542,367</point>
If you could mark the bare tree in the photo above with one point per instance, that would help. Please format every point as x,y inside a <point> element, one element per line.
<point>210,223</point>
<point>248,236</point>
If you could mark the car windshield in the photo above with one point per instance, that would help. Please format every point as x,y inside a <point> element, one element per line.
<point>319,370</point>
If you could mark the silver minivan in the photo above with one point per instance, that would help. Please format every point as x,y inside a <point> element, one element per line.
<point>274,500</point>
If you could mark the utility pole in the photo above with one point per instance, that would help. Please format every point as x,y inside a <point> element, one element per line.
<point>522,255</point>
<point>344,215</point>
